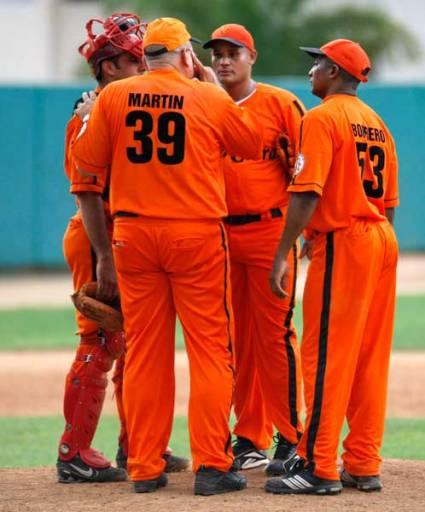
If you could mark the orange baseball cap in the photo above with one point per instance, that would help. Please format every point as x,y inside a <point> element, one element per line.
<point>234,34</point>
<point>347,54</point>
<point>170,33</point>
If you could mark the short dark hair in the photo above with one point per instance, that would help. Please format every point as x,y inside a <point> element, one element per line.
<point>98,68</point>
<point>347,77</point>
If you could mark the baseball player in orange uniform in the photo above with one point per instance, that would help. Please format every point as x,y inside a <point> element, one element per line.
<point>113,53</point>
<point>345,189</point>
<point>162,142</point>
<point>268,373</point>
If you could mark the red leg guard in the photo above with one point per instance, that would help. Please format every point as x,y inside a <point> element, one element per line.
<point>115,344</point>
<point>118,381</point>
<point>84,395</point>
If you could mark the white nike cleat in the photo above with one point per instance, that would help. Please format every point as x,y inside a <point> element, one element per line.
<point>247,456</point>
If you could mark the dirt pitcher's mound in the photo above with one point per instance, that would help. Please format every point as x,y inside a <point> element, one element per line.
<point>33,490</point>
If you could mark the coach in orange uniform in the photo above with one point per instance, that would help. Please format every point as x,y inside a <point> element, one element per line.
<point>162,135</point>
<point>268,373</point>
<point>345,189</point>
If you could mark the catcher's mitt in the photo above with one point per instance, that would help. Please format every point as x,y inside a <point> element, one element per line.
<point>108,316</point>
<point>286,153</point>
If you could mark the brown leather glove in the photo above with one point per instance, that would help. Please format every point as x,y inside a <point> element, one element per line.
<point>286,153</point>
<point>108,316</point>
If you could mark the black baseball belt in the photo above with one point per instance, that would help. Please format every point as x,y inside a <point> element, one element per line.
<point>125,214</point>
<point>232,220</point>
<point>240,220</point>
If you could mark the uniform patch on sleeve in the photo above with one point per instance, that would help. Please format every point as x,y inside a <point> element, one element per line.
<point>299,164</point>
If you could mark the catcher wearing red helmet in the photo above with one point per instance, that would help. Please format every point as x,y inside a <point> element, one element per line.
<point>114,52</point>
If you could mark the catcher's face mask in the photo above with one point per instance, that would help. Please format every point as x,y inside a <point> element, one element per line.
<point>121,32</point>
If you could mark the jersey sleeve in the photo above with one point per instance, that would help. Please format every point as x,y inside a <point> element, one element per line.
<point>391,197</point>
<point>293,115</point>
<point>72,129</point>
<point>239,132</point>
<point>315,155</point>
<point>91,151</point>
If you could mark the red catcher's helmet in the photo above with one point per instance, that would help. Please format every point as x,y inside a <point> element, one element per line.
<point>120,32</point>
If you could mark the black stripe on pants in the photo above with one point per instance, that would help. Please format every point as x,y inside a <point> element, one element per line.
<point>227,311</point>
<point>226,274</point>
<point>323,348</point>
<point>292,367</point>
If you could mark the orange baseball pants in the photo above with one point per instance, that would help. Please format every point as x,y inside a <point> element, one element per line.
<point>166,267</point>
<point>81,260</point>
<point>268,371</point>
<point>348,310</point>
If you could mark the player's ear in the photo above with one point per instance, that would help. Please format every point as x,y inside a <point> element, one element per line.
<point>186,58</point>
<point>333,70</point>
<point>108,68</point>
<point>253,55</point>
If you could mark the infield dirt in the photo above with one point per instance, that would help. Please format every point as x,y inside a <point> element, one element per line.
<point>35,490</point>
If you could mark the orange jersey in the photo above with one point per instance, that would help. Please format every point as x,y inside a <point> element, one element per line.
<point>73,128</point>
<point>162,135</point>
<point>254,186</point>
<point>347,156</point>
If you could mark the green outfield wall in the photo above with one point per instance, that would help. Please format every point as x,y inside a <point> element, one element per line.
<point>35,203</point>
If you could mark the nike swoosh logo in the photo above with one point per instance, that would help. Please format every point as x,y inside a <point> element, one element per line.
<point>254,462</point>
<point>87,473</point>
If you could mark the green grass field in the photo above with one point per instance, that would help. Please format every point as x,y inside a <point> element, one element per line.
<point>49,328</point>
<point>31,442</point>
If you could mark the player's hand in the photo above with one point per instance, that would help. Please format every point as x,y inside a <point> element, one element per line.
<point>307,249</point>
<point>86,105</point>
<point>279,277</point>
<point>107,287</point>
<point>203,73</point>
<point>286,153</point>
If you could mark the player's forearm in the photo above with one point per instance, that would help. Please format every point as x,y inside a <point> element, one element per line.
<point>390,214</point>
<point>242,134</point>
<point>93,214</point>
<point>300,209</point>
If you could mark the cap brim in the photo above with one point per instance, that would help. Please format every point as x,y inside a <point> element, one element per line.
<point>211,42</point>
<point>313,52</point>
<point>195,40</point>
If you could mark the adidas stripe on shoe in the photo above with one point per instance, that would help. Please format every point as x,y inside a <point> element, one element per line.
<point>301,480</point>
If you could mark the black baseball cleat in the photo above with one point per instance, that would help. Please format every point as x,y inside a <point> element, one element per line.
<point>77,471</point>
<point>362,483</point>
<point>247,456</point>
<point>284,457</point>
<point>150,485</point>
<point>301,480</point>
<point>121,458</point>
<point>173,464</point>
<point>210,481</point>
